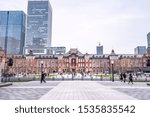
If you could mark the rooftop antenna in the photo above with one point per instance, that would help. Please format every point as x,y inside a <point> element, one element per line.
<point>99,43</point>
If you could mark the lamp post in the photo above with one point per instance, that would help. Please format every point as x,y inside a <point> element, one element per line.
<point>42,66</point>
<point>112,65</point>
<point>113,57</point>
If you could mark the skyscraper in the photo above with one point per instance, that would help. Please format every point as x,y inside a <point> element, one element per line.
<point>39,25</point>
<point>148,39</point>
<point>99,50</point>
<point>140,50</point>
<point>12,31</point>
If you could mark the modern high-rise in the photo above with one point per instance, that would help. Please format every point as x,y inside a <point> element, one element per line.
<point>99,50</point>
<point>140,50</point>
<point>148,39</point>
<point>39,26</point>
<point>12,31</point>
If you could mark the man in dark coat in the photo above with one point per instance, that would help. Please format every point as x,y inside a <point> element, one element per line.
<point>130,78</point>
<point>124,77</point>
<point>121,77</point>
<point>43,77</point>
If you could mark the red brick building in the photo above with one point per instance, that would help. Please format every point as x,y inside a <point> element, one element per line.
<point>2,60</point>
<point>75,61</point>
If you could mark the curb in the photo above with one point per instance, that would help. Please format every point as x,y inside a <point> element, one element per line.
<point>5,84</point>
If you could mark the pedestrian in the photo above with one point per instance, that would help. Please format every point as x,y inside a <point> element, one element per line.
<point>82,75</point>
<point>121,77</point>
<point>43,77</point>
<point>124,77</point>
<point>91,77</point>
<point>130,78</point>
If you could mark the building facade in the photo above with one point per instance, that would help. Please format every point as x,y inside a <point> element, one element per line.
<point>12,31</point>
<point>47,51</point>
<point>56,50</point>
<point>39,25</point>
<point>99,49</point>
<point>75,61</point>
<point>2,61</point>
<point>140,50</point>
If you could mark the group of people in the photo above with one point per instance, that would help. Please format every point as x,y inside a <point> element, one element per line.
<point>123,77</point>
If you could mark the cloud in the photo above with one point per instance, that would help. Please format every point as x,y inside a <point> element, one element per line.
<point>13,5</point>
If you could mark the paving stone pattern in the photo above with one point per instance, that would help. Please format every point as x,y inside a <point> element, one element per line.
<point>22,94</point>
<point>26,90</point>
<point>75,90</point>
<point>138,90</point>
<point>84,90</point>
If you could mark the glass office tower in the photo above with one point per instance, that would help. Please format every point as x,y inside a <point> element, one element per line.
<point>140,50</point>
<point>39,25</point>
<point>99,49</point>
<point>148,40</point>
<point>12,31</point>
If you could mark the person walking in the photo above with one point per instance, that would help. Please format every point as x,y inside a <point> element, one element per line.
<point>124,77</point>
<point>43,77</point>
<point>121,77</point>
<point>130,78</point>
<point>82,75</point>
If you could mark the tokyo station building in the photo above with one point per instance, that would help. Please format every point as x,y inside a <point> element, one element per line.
<point>75,61</point>
<point>2,60</point>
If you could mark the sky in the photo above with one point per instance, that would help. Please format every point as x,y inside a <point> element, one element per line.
<point>117,24</point>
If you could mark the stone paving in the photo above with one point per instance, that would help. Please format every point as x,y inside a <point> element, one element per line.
<point>75,90</point>
<point>84,90</point>
<point>26,90</point>
<point>137,90</point>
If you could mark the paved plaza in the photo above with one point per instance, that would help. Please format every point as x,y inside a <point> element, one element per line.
<point>75,90</point>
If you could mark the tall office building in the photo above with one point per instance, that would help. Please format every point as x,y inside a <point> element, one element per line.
<point>12,31</point>
<point>39,26</point>
<point>99,50</point>
<point>148,39</point>
<point>140,50</point>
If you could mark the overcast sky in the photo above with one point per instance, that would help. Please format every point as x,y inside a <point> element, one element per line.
<point>118,24</point>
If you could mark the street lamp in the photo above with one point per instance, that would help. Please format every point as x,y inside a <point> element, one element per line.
<point>112,65</point>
